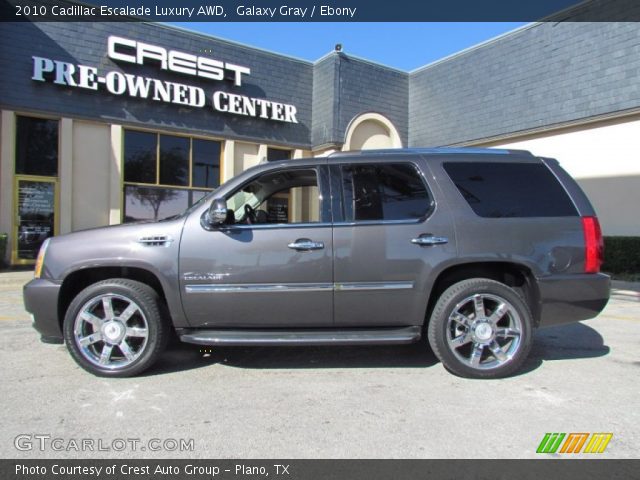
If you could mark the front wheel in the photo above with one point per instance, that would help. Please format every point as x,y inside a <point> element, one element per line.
<point>481,328</point>
<point>116,328</point>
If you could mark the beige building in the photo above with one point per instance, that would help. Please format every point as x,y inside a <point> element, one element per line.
<point>91,135</point>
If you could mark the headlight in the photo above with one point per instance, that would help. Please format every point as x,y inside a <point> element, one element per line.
<point>40,259</point>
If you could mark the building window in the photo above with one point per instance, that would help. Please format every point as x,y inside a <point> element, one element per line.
<point>174,160</point>
<point>205,158</point>
<point>275,154</point>
<point>166,174</point>
<point>36,146</point>
<point>140,153</point>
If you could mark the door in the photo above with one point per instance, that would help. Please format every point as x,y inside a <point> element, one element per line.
<point>35,216</point>
<point>389,236</point>
<point>270,265</point>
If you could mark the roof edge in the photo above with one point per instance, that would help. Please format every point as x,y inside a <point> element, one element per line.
<point>477,46</point>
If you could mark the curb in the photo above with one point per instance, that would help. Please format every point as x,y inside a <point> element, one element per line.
<point>625,286</point>
<point>15,279</point>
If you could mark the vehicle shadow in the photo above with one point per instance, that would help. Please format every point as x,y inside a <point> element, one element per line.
<point>564,342</point>
<point>186,357</point>
<point>557,343</point>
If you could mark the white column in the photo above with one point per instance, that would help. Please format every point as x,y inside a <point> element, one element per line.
<point>115,176</point>
<point>325,153</point>
<point>7,158</point>
<point>228,161</point>
<point>304,202</point>
<point>262,153</point>
<point>299,153</point>
<point>65,176</point>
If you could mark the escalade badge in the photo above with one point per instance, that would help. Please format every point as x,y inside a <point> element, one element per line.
<point>204,276</point>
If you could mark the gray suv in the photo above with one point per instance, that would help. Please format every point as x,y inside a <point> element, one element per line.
<point>474,248</point>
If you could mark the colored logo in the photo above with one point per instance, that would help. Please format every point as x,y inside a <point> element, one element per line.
<point>573,442</point>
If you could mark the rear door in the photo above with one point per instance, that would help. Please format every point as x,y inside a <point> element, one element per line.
<point>389,233</point>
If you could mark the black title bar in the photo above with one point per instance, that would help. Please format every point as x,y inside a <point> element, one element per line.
<point>278,469</point>
<point>319,10</point>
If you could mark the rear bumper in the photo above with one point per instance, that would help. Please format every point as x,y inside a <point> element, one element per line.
<point>571,298</point>
<point>41,301</point>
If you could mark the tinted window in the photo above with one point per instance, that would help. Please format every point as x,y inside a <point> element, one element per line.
<point>174,160</point>
<point>36,146</point>
<point>140,157</point>
<point>498,190</point>
<point>206,163</point>
<point>384,192</point>
<point>275,154</point>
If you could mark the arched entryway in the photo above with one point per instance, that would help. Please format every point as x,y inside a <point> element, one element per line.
<point>370,131</point>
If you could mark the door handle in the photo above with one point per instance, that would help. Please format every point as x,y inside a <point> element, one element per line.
<point>428,240</point>
<point>304,244</point>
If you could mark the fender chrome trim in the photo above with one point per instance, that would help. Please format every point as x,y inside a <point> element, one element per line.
<point>296,287</point>
<point>258,287</point>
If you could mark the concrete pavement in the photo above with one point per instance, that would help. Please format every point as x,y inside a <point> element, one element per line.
<point>323,402</point>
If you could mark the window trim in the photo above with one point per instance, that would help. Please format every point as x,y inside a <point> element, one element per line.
<point>157,184</point>
<point>272,226</point>
<point>339,197</point>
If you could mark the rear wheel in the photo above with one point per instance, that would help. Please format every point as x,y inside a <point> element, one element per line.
<point>116,328</point>
<point>481,328</point>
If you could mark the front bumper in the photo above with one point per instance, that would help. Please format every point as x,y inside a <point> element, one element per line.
<point>41,301</point>
<point>571,298</point>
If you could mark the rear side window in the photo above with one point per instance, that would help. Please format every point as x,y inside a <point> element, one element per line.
<point>497,190</point>
<point>383,192</point>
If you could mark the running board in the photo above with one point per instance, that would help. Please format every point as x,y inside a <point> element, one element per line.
<point>382,336</point>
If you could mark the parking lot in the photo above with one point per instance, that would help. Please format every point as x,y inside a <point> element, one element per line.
<point>321,402</point>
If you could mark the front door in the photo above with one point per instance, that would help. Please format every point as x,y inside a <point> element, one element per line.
<point>35,216</point>
<point>390,236</point>
<point>271,264</point>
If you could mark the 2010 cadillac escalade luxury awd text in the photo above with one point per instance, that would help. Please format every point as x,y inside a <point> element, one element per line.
<point>474,248</point>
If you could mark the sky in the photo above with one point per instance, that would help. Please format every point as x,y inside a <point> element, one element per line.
<point>405,46</point>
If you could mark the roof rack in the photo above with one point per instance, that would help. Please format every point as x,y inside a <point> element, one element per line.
<point>432,151</point>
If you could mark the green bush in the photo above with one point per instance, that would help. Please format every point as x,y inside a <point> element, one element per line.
<point>3,248</point>
<point>621,255</point>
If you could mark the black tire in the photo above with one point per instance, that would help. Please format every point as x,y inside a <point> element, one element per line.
<point>138,319</point>
<point>457,339</point>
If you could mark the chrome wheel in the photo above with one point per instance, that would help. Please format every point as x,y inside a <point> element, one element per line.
<point>111,331</point>
<point>484,331</point>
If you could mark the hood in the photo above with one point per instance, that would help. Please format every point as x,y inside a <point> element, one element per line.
<point>132,244</point>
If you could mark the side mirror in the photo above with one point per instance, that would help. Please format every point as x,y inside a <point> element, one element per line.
<point>217,213</point>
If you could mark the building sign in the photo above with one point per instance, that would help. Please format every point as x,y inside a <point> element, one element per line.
<point>125,50</point>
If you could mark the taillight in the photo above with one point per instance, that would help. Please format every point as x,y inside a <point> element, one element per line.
<point>593,244</point>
